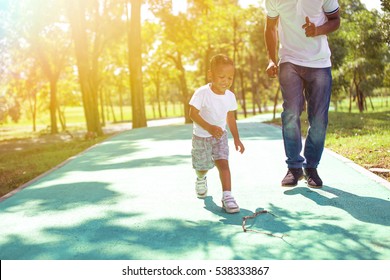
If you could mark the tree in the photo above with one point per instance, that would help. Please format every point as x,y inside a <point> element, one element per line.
<point>120,59</point>
<point>87,60</point>
<point>135,64</point>
<point>359,53</point>
<point>155,65</point>
<point>178,41</point>
<point>37,35</point>
<point>386,21</point>
<point>50,45</point>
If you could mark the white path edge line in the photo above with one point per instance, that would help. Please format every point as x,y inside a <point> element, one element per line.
<point>359,168</point>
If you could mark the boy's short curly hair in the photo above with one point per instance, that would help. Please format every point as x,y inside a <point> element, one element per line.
<point>218,60</point>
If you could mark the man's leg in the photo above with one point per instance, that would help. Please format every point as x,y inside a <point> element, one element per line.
<point>318,92</point>
<point>293,101</point>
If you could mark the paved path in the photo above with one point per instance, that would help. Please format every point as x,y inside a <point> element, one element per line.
<point>132,197</point>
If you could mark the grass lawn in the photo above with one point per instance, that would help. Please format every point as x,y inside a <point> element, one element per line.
<point>363,138</point>
<point>24,160</point>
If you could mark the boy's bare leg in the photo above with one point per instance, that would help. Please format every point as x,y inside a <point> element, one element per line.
<point>201,173</point>
<point>228,202</point>
<point>224,174</point>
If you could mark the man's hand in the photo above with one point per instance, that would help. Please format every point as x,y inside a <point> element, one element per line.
<point>272,69</point>
<point>310,28</point>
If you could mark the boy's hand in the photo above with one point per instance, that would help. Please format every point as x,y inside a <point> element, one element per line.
<point>239,146</point>
<point>216,131</point>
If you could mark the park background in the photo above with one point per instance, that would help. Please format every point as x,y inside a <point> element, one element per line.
<point>72,69</point>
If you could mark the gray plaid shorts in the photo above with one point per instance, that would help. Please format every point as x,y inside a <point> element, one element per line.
<point>206,150</point>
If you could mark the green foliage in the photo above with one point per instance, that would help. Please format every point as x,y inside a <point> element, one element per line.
<point>14,112</point>
<point>359,54</point>
<point>176,48</point>
<point>385,5</point>
<point>386,21</point>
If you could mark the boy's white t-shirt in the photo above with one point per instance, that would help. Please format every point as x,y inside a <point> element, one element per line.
<point>295,47</point>
<point>213,108</point>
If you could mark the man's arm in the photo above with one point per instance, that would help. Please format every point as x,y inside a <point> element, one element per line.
<point>331,25</point>
<point>271,42</point>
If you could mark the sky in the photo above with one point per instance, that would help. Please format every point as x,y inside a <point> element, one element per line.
<point>372,4</point>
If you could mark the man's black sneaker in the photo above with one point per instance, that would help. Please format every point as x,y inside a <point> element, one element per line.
<point>292,177</point>
<point>313,180</point>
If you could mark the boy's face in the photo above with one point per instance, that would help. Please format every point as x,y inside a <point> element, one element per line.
<point>221,78</point>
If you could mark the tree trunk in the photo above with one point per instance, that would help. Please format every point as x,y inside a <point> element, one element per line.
<point>253,83</point>
<point>184,90</point>
<point>235,50</point>
<point>135,65</point>
<point>88,90</point>
<point>52,75</point>
<point>33,107</point>
<point>121,89</point>
<point>157,83</point>
<point>359,94</point>
<point>243,102</point>
<point>158,99</point>
<point>207,61</point>
<point>183,86</point>
<point>111,106</point>
<point>102,113</point>
<point>350,98</point>
<point>166,108</point>
<point>62,118</point>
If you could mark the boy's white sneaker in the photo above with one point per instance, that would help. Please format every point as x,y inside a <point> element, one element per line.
<point>229,204</point>
<point>201,187</point>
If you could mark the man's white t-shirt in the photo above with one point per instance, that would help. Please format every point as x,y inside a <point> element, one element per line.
<point>213,108</point>
<point>295,47</point>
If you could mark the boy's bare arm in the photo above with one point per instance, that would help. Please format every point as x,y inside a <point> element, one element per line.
<point>214,130</point>
<point>231,121</point>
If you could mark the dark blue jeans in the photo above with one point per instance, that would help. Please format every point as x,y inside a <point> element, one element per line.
<point>297,84</point>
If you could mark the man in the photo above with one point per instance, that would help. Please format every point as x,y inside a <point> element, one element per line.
<point>304,71</point>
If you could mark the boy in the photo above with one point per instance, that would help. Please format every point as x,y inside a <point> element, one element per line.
<point>212,107</point>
